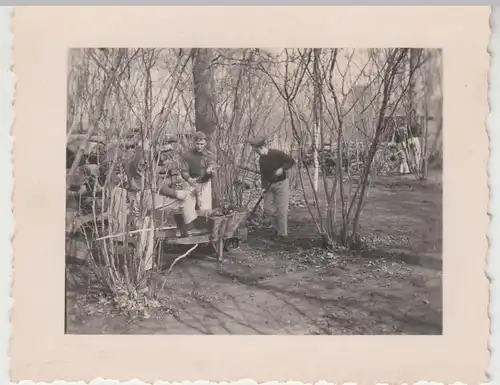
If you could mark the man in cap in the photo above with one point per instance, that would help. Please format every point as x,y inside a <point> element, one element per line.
<point>198,165</point>
<point>80,187</point>
<point>141,195</point>
<point>167,189</point>
<point>273,165</point>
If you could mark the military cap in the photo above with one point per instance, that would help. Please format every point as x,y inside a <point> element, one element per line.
<point>170,138</point>
<point>200,136</point>
<point>257,141</point>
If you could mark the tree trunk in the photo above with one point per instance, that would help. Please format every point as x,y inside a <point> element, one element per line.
<point>412,95</point>
<point>412,103</point>
<point>204,112</point>
<point>425,145</point>
<point>202,75</point>
<point>317,116</point>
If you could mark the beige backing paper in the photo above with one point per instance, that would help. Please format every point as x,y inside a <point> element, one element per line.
<point>40,351</point>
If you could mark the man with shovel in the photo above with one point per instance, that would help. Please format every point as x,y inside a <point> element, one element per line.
<point>273,166</point>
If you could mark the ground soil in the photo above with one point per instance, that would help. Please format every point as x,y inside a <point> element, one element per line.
<point>392,287</point>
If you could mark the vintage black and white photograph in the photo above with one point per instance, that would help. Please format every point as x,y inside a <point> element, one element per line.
<point>284,191</point>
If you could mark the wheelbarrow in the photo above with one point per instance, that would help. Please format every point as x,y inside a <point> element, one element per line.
<point>213,230</point>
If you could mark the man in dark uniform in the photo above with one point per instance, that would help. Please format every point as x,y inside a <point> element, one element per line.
<point>273,165</point>
<point>167,189</point>
<point>142,195</point>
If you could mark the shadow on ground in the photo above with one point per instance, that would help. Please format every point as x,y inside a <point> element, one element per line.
<point>393,287</point>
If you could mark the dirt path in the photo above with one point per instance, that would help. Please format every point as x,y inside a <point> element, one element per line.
<point>296,288</point>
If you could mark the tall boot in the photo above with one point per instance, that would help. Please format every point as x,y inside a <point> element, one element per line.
<point>187,230</point>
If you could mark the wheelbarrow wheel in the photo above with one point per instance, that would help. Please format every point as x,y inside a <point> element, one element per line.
<point>231,243</point>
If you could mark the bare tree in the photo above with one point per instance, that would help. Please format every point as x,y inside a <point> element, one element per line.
<point>110,75</point>
<point>317,110</point>
<point>332,107</point>
<point>140,103</point>
<point>377,73</point>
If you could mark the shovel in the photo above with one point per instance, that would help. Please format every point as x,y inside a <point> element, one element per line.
<point>260,199</point>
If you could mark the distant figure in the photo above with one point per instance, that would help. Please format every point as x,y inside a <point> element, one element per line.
<point>198,165</point>
<point>273,166</point>
<point>415,145</point>
<point>401,138</point>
